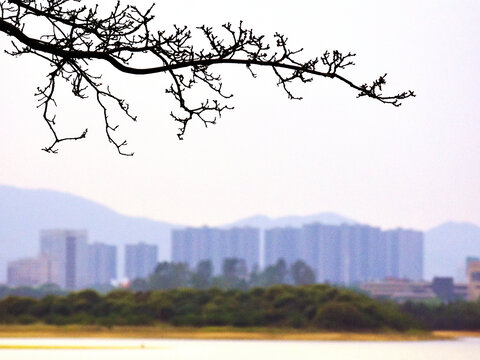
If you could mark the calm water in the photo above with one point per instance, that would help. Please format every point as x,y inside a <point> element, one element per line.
<point>137,349</point>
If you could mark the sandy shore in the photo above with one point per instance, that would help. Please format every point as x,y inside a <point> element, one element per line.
<point>457,334</point>
<point>164,332</point>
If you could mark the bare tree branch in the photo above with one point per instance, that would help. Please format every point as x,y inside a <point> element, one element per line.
<point>75,35</point>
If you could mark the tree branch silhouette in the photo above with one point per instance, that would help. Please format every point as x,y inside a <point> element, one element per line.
<point>74,35</point>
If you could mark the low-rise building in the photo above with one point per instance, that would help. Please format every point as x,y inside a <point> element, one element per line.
<point>444,288</point>
<point>460,291</point>
<point>399,290</point>
<point>29,272</point>
<point>473,278</point>
<point>441,288</point>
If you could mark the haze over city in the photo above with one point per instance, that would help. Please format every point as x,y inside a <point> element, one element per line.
<point>443,252</point>
<point>331,226</point>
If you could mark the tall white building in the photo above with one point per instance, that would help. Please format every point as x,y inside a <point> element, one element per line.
<point>67,251</point>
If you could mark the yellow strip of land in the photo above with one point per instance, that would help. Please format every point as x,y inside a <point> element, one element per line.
<point>72,347</point>
<point>226,333</point>
<point>457,334</point>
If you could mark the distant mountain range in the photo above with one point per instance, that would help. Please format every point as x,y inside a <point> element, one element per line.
<point>23,213</point>
<point>265,222</point>
<point>446,248</point>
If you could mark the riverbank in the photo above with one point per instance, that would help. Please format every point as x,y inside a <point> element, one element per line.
<point>218,333</point>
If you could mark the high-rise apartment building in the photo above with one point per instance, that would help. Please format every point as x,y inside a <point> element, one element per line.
<point>192,245</point>
<point>366,252</point>
<point>391,238</point>
<point>102,263</point>
<point>282,243</point>
<point>404,254</point>
<point>68,254</point>
<point>140,260</point>
<point>29,272</point>
<point>321,249</point>
<point>243,243</point>
<point>411,254</point>
<point>344,254</point>
<point>377,255</point>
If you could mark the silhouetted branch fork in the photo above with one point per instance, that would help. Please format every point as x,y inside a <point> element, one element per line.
<point>79,35</point>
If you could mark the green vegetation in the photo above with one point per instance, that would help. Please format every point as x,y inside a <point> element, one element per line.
<point>281,306</point>
<point>32,292</point>
<point>234,275</point>
<point>458,315</point>
<point>277,297</point>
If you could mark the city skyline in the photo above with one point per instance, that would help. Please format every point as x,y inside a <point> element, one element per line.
<point>386,264</point>
<point>341,254</point>
<point>447,245</point>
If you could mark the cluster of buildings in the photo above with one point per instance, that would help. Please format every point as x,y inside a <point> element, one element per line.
<point>68,260</point>
<point>345,254</point>
<point>440,288</point>
<point>384,264</point>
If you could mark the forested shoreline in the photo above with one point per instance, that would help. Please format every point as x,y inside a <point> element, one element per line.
<point>312,307</point>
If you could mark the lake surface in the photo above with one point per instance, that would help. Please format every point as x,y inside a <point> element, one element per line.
<point>138,349</point>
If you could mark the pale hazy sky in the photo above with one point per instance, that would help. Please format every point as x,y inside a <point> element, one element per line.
<point>413,166</point>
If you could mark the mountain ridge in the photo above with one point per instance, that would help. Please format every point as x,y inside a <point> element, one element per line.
<point>265,222</point>
<point>448,246</point>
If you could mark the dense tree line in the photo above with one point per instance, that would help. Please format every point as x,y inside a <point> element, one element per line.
<point>458,315</point>
<point>32,292</point>
<point>308,306</point>
<point>278,296</point>
<point>233,276</point>
<point>312,306</point>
